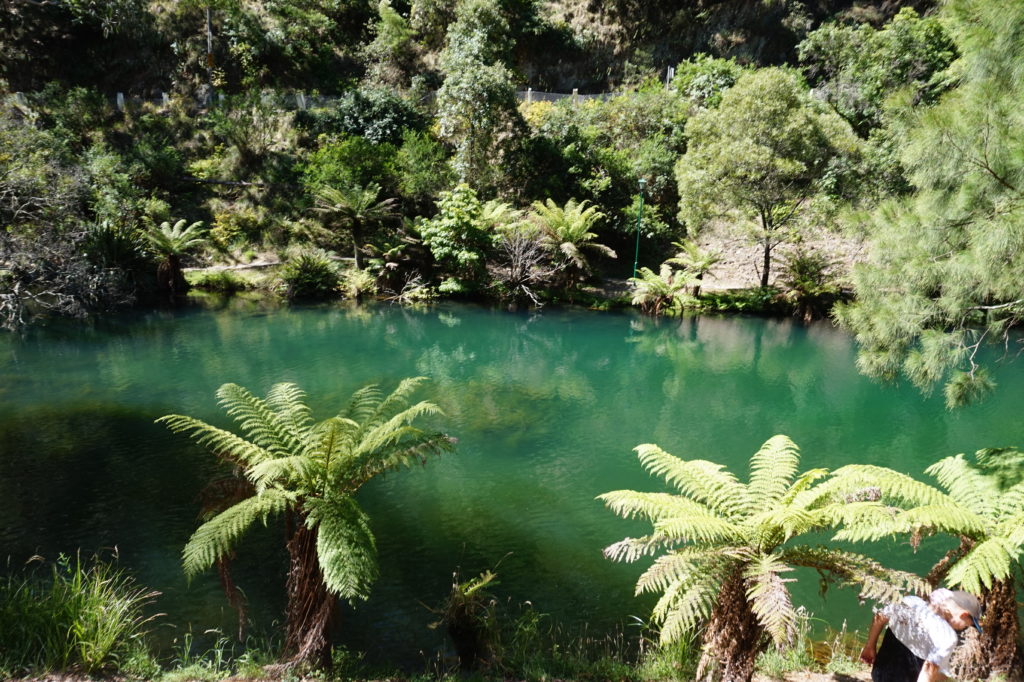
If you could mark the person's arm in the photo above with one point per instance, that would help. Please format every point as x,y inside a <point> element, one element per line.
<point>930,673</point>
<point>867,654</point>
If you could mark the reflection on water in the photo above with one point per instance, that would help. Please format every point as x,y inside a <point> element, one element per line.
<point>547,409</point>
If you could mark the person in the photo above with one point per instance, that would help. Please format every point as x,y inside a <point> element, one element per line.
<point>921,636</point>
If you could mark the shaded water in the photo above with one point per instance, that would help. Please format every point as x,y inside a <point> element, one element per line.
<point>546,407</point>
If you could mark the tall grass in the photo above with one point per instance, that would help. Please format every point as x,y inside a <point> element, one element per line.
<point>79,615</point>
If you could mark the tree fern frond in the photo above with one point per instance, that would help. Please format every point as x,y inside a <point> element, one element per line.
<point>631,504</point>
<point>261,424</point>
<point>215,538</point>
<point>386,433</point>
<point>990,560</point>
<point>1005,465</point>
<point>771,469</point>
<point>770,599</point>
<point>284,471</point>
<point>222,443</point>
<point>681,564</point>
<point>700,480</point>
<point>895,487</point>
<point>363,404</point>
<point>875,580</point>
<point>1011,527</point>
<point>289,402</point>
<point>686,604</point>
<point>345,546</point>
<point>631,549</point>
<point>951,519</point>
<point>873,520</point>
<point>803,493</point>
<point>966,484</point>
<point>397,401</point>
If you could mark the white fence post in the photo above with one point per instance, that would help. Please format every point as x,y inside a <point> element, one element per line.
<point>529,95</point>
<point>300,100</point>
<point>670,73</point>
<point>575,96</point>
<point>165,99</point>
<point>19,97</point>
<point>120,101</point>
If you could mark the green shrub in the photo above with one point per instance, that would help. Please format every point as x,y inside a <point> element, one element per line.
<point>356,284</point>
<point>222,281</point>
<point>310,275</point>
<point>83,614</point>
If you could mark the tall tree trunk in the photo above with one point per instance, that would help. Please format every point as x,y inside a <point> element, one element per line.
<point>311,609</point>
<point>357,237</point>
<point>734,638</point>
<point>767,264</point>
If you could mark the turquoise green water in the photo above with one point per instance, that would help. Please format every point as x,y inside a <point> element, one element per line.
<point>546,407</point>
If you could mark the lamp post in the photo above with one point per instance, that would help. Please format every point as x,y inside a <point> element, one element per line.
<point>639,219</point>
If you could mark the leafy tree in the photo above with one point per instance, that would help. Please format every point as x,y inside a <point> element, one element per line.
<point>422,167</point>
<point>760,157</point>
<point>459,238</point>
<point>356,210</point>
<point>309,472</point>
<point>477,109</point>
<point>171,242</point>
<point>702,79</point>
<point>348,161</point>
<point>392,53</point>
<point>660,292</point>
<point>943,275</point>
<point>567,233</point>
<point>859,67</point>
<point>982,504</point>
<point>727,546</point>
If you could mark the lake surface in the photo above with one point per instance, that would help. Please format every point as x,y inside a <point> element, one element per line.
<point>546,408</point>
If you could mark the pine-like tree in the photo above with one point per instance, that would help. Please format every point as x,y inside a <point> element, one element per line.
<point>309,472</point>
<point>946,268</point>
<point>729,545</point>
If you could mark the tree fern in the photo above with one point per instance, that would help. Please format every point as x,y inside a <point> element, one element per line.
<point>717,526</point>
<point>311,471</point>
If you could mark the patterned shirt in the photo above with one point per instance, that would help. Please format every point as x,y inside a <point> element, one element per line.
<point>924,632</point>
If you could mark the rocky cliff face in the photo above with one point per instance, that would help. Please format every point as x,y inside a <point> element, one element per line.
<point>598,44</point>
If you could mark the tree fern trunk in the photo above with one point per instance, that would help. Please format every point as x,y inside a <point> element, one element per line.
<point>1001,629</point>
<point>734,638</point>
<point>311,608</point>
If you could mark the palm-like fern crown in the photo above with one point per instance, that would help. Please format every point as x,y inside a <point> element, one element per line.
<point>174,240</point>
<point>354,203</point>
<point>666,283</point>
<point>716,523</point>
<point>693,259</point>
<point>313,468</point>
<point>568,228</point>
<point>983,501</point>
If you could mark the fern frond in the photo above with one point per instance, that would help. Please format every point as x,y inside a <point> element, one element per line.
<point>904,490</point>
<point>654,507</point>
<point>222,443</point>
<point>345,546</point>
<point>988,561</point>
<point>700,480</point>
<point>771,470</point>
<point>687,602</point>
<point>289,402</point>
<point>261,424</point>
<point>770,599</point>
<point>215,538</point>
<point>803,494</point>
<point>283,471</point>
<point>777,524</point>
<point>363,404</point>
<point>668,568</point>
<point>631,549</point>
<point>1011,527</point>
<point>397,401</point>
<point>875,580</point>
<point>966,484</point>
